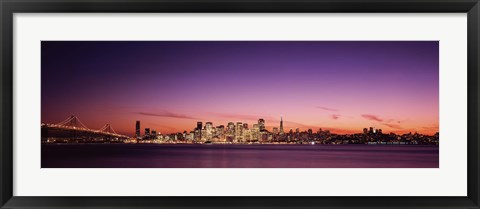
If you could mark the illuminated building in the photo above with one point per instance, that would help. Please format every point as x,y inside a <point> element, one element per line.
<point>230,132</point>
<point>275,130</point>
<point>263,136</point>
<point>231,126</point>
<point>261,124</point>
<point>208,126</point>
<point>281,126</point>
<point>231,129</point>
<point>209,130</point>
<point>137,129</point>
<point>275,133</point>
<point>239,131</point>
<point>220,132</point>
<point>247,134</point>
<point>198,131</point>
<point>198,134</point>
<point>199,125</point>
<point>255,132</point>
<point>203,135</point>
<point>190,136</point>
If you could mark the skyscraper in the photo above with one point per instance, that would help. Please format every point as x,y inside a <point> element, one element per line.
<point>275,130</point>
<point>199,125</point>
<point>209,126</point>
<point>230,132</point>
<point>255,132</point>
<point>220,131</point>
<point>147,131</point>
<point>261,124</point>
<point>239,131</point>
<point>137,129</point>
<point>231,126</point>
<point>281,126</point>
<point>209,130</point>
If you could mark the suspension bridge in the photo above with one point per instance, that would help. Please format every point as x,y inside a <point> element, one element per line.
<point>72,127</point>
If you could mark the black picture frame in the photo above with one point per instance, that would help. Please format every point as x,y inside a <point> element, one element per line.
<point>9,7</point>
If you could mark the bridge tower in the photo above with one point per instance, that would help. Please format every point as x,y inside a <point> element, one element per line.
<point>107,128</point>
<point>73,121</point>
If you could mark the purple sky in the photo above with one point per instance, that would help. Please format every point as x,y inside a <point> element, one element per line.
<point>170,85</point>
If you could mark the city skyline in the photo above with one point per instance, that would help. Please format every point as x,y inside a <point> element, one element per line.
<point>258,133</point>
<point>202,125</point>
<point>72,130</point>
<point>169,85</point>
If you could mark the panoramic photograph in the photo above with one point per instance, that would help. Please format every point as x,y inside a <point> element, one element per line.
<point>240,104</point>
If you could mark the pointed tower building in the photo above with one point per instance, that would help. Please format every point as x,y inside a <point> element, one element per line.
<point>281,126</point>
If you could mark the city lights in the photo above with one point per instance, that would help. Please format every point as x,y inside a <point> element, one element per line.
<point>73,131</point>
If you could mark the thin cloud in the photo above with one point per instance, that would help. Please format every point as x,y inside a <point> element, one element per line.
<point>167,114</point>
<point>327,108</point>
<point>392,125</point>
<point>335,116</point>
<point>393,120</point>
<point>372,117</point>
